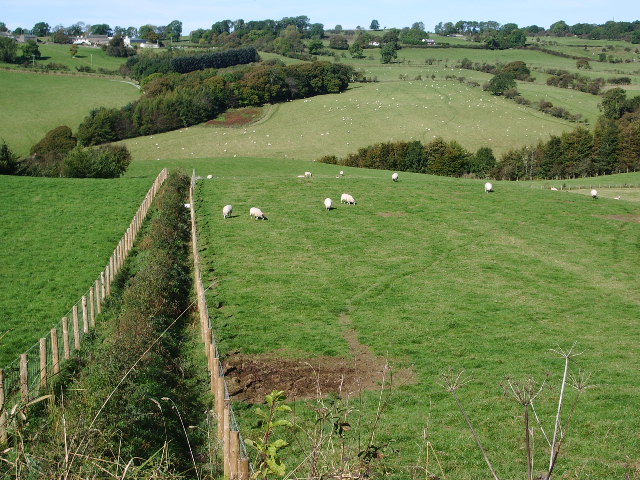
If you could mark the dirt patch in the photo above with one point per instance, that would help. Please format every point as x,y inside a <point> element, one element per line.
<point>237,117</point>
<point>251,377</point>
<point>622,218</point>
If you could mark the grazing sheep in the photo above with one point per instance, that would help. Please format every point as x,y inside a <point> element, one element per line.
<point>187,205</point>
<point>617,198</point>
<point>257,213</point>
<point>341,173</point>
<point>346,198</point>
<point>308,174</point>
<point>554,189</point>
<point>488,187</point>
<point>209,177</point>
<point>394,177</point>
<point>594,193</point>
<point>226,211</point>
<point>328,203</point>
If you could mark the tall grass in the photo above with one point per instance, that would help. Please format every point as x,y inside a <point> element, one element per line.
<point>434,273</point>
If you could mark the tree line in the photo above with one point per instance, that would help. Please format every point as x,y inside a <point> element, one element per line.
<point>613,147</point>
<point>172,101</point>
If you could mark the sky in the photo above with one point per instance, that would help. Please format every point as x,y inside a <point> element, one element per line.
<point>196,14</point>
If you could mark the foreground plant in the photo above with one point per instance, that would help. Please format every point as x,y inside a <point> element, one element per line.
<point>525,393</point>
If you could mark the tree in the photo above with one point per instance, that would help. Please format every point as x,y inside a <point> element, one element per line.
<point>418,26</point>
<point>61,37</point>
<point>290,40</point>
<point>356,50</point>
<point>501,82</point>
<point>316,30</point>
<point>559,29</point>
<point>388,53</point>
<point>337,28</point>
<point>117,48</point>
<point>101,29</point>
<point>338,42</point>
<point>73,50</point>
<point>41,29</point>
<point>583,63</point>
<point>174,30</point>
<point>374,25</point>
<point>147,32</point>
<point>76,29</point>
<point>315,47</point>
<point>8,49</point>
<point>613,103</point>
<point>518,69</point>
<point>483,162</point>
<point>3,27</point>
<point>30,50</point>
<point>8,160</point>
<point>19,31</point>
<point>57,142</point>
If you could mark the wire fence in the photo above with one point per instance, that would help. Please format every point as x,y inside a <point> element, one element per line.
<point>27,377</point>
<point>235,457</point>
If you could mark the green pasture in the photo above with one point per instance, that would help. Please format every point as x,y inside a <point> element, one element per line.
<point>56,236</point>
<point>33,104</point>
<point>364,114</point>
<point>434,273</point>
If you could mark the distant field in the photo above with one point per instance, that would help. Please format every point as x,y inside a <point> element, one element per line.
<point>365,114</point>
<point>433,273</point>
<point>56,236</point>
<point>33,104</point>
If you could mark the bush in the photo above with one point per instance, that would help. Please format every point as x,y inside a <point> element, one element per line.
<point>8,160</point>
<point>107,161</point>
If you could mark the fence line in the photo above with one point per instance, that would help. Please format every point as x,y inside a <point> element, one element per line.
<point>235,458</point>
<point>27,376</point>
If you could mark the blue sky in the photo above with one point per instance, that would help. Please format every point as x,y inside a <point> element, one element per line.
<point>350,13</point>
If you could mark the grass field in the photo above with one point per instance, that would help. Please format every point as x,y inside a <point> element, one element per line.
<point>56,235</point>
<point>33,104</point>
<point>434,273</point>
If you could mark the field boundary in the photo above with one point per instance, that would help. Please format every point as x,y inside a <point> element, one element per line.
<point>235,458</point>
<point>28,376</point>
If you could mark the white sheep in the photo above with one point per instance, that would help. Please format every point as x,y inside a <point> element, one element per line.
<point>554,189</point>
<point>209,176</point>
<point>226,211</point>
<point>594,193</point>
<point>341,173</point>
<point>394,177</point>
<point>257,213</point>
<point>308,174</point>
<point>328,203</point>
<point>346,198</point>
<point>488,187</point>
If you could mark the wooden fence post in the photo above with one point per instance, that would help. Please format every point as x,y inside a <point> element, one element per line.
<point>3,413</point>
<point>207,342</point>
<point>103,290</point>
<point>55,353</point>
<point>214,368</point>
<point>65,338</point>
<point>24,377</point>
<point>85,315</point>
<point>43,363</point>
<point>107,280</point>
<point>98,296</point>
<point>226,451</point>
<point>219,398</point>
<point>76,328</point>
<point>243,474</point>
<point>92,308</point>
<point>234,453</point>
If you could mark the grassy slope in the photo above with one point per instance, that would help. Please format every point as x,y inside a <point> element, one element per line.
<point>435,273</point>
<point>33,104</point>
<point>56,236</point>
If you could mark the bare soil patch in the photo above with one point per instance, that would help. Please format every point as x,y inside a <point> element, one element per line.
<point>251,377</point>
<point>237,117</point>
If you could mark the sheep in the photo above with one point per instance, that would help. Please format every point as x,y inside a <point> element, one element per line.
<point>346,198</point>
<point>594,193</point>
<point>328,203</point>
<point>488,187</point>
<point>394,177</point>
<point>226,211</point>
<point>554,189</point>
<point>308,174</point>
<point>209,176</point>
<point>257,213</point>
<point>341,173</point>
<point>187,205</point>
